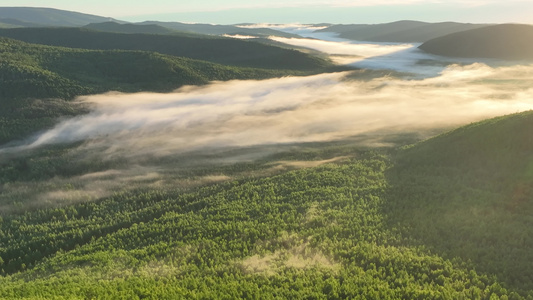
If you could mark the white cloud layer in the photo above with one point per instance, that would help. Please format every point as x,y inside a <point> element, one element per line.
<point>344,48</point>
<point>293,109</point>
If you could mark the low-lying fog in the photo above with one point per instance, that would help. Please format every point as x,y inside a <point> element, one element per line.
<point>292,109</point>
<point>399,57</point>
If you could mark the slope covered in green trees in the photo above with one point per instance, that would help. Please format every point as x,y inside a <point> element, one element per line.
<point>422,222</point>
<point>468,193</point>
<point>316,233</point>
<point>214,49</point>
<point>29,72</point>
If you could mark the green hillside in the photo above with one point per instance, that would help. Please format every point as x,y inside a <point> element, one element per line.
<point>447,218</point>
<point>37,71</point>
<point>505,41</point>
<point>214,49</point>
<point>316,233</point>
<point>29,72</point>
<point>469,194</point>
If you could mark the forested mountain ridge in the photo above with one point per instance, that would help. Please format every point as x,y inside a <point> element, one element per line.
<point>29,72</point>
<point>42,16</point>
<point>38,71</point>
<point>210,48</point>
<point>400,31</point>
<point>505,41</point>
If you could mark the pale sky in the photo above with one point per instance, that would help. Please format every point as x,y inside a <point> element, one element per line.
<point>298,11</point>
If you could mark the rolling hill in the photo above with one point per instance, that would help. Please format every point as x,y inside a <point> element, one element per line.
<point>219,29</point>
<point>38,71</point>
<point>399,32</point>
<point>42,16</point>
<point>468,193</point>
<point>29,72</point>
<point>506,41</point>
<point>214,49</point>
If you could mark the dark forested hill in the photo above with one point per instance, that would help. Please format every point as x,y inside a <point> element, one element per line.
<point>401,31</point>
<point>506,41</point>
<point>50,17</point>
<point>219,29</point>
<point>29,72</point>
<point>192,30</point>
<point>469,193</point>
<point>214,49</point>
<point>130,28</point>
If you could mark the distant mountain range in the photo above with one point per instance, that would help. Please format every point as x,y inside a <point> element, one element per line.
<point>42,17</point>
<point>219,29</point>
<point>400,32</point>
<point>16,17</point>
<point>506,41</point>
<point>510,42</point>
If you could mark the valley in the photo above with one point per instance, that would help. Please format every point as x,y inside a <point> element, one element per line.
<point>165,160</point>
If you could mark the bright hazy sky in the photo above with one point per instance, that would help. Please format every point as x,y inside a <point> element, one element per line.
<point>298,11</point>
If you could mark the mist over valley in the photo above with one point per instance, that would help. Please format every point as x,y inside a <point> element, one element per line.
<point>175,160</point>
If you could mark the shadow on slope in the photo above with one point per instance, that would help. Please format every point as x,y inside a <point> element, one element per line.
<point>468,193</point>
